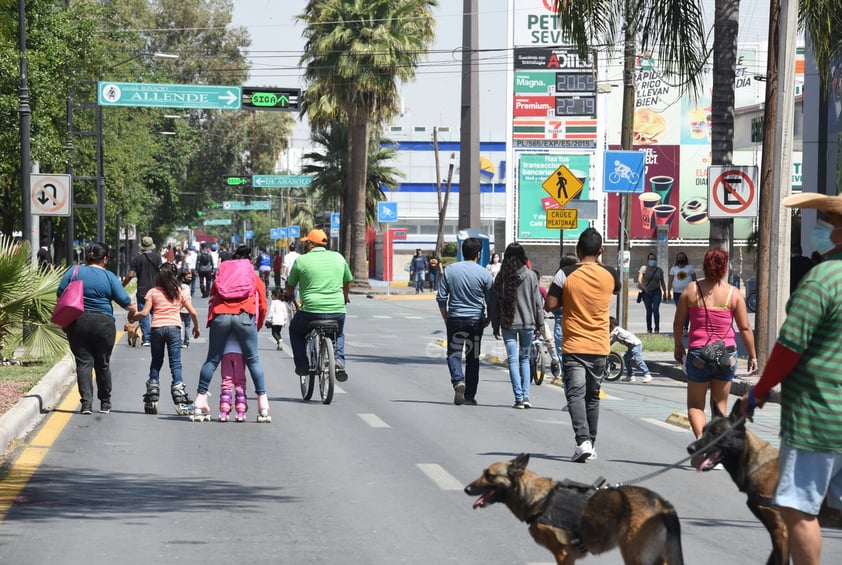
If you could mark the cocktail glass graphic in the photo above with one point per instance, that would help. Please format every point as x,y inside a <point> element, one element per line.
<point>664,214</point>
<point>648,201</point>
<point>662,185</point>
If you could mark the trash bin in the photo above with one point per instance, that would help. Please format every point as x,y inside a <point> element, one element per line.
<point>485,238</point>
<point>751,294</point>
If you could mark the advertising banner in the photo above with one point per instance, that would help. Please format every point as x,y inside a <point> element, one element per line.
<point>533,201</point>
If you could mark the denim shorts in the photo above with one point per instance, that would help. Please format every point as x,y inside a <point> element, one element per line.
<point>703,375</point>
<point>805,478</point>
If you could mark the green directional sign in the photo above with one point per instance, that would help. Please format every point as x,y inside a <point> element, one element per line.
<point>219,222</point>
<point>169,95</point>
<point>281,181</point>
<point>237,181</point>
<point>271,98</point>
<point>238,205</point>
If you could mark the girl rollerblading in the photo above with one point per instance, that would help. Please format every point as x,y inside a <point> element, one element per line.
<point>233,387</point>
<point>201,410</point>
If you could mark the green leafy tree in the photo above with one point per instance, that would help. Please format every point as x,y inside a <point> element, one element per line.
<point>27,296</point>
<point>356,51</point>
<point>330,170</point>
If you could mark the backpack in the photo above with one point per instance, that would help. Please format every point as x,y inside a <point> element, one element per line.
<point>235,279</point>
<point>204,259</point>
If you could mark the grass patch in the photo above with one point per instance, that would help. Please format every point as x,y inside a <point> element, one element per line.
<point>28,375</point>
<point>662,343</point>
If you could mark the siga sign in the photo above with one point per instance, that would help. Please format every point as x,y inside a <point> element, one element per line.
<point>562,218</point>
<point>732,191</point>
<point>50,195</point>
<point>563,185</point>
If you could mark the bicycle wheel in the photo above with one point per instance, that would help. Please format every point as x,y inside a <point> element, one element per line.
<point>327,370</point>
<point>614,367</point>
<point>540,364</point>
<point>308,381</point>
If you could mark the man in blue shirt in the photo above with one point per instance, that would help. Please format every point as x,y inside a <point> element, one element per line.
<point>463,296</point>
<point>418,270</point>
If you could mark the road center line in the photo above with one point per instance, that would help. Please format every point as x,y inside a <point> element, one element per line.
<point>373,421</point>
<point>665,425</point>
<point>437,474</point>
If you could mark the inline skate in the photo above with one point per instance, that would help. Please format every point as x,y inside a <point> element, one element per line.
<point>201,410</point>
<point>241,405</point>
<point>263,416</point>
<point>183,404</point>
<point>150,399</point>
<point>224,405</point>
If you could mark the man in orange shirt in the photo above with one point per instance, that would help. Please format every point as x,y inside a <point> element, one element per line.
<point>584,292</point>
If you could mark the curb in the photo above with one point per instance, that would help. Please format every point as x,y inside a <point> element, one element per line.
<point>28,412</point>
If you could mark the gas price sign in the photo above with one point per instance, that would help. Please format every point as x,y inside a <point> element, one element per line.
<point>575,106</point>
<point>574,82</point>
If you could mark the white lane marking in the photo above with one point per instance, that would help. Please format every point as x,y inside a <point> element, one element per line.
<point>438,475</point>
<point>373,421</point>
<point>555,422</point>
<point>665,425</point>
<point>382,317</point>
<point>414,317</point>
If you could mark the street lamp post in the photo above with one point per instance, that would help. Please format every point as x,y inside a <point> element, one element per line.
<point>25,146</point>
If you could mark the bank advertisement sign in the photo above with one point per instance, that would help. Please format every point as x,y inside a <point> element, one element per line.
<point>533,201</point>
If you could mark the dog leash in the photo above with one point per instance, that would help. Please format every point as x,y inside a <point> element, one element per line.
<point>646,477</point>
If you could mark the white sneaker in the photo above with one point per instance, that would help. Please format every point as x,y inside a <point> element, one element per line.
<point>628,379</point>
<point>582,452</point>
<point>647,377</point>
<point>593,455</point>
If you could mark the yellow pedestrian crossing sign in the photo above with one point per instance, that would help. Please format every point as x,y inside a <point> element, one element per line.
<point>563,185</point>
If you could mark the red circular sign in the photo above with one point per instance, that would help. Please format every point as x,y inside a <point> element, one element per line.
<point>722,181</point>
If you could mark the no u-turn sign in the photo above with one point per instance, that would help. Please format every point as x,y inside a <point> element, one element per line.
<point>732,191</point>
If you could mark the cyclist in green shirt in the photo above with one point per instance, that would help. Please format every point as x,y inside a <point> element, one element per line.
<point>323,279</point>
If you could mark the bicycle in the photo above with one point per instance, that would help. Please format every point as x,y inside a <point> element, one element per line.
<point>614,368</point>
<point>538,356</point>
<point>321,336</point>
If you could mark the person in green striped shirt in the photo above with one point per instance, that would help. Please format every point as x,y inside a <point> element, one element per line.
<point>807,361</point>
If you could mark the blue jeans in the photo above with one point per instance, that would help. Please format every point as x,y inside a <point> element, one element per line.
<point>582,381</point>
<point>652,301</point>
<point>169,337</point>
<point>558,333</point>
<point>464,334</point>
<point>635,352</point>
<point>243,327</point>
<point>434,280</point>
<point>298,337</point>
<point>419,281</point>
<point>145,322</point>
<point>676,296</point>
<point>186,324</point>
<point>518,344</point>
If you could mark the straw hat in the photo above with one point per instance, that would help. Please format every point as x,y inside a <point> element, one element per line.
<point>815,201</point>
<point>146,244</point>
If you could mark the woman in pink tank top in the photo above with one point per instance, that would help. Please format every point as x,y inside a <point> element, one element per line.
<point>712,305</point>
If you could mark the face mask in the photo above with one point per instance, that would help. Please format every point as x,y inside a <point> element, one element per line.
<point>821,237</point>
<point>652,262</point>
<point>682,262</point>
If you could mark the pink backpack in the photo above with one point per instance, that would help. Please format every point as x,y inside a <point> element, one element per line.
<point>235,279</point>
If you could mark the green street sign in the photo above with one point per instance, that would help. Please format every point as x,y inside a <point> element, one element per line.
<point>271,98</point>
<point>238,205</point>
<point>169,95</point>
<point>281,181</point>
<point>237,181</point>
<point>219,222</point>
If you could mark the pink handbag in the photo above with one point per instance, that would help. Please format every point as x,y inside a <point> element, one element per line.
<point>71,303</point>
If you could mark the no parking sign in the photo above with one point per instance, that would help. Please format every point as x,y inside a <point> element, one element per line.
<point>732,191</point>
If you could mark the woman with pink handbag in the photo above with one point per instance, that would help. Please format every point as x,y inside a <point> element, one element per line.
<point>93,333</point>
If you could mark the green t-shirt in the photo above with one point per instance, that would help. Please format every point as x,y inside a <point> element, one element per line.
<point>811,395</point>
<point>320,275</point>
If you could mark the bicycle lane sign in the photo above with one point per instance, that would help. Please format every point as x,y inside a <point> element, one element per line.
<point>732,192</point>
<point>624,171</point>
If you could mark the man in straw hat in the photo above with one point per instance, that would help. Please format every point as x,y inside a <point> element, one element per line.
<point>323,279</point>
<point>807,361</point>
<point>144,266</point>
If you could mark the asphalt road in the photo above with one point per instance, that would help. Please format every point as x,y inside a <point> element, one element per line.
<point>375,477</point>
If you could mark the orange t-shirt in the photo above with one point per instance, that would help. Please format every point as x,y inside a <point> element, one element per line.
<point>585,292</point>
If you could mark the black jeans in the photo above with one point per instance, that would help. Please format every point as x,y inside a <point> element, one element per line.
<point>91,340</point>
<point>464,333</point>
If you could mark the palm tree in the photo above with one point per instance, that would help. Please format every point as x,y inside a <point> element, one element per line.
<point>356,51</point>
<point>329,168</point>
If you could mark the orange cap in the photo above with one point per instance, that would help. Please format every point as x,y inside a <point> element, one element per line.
<point>318,237</point>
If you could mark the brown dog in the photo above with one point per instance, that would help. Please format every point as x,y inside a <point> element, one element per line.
<point>753,466</point>
<point>132,334</point>
<point>572,520</point>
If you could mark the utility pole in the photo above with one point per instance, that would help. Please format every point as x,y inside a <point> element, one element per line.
<point>25,112</point>
<point>626,141</point>
<point>469,216</point>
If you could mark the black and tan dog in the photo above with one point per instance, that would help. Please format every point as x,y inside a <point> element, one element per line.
<point>753,466</point>
<point>132,333</point>
<point>572,520</point>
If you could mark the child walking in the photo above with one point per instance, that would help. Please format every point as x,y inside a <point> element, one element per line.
<point>634,351</point>
<point>184,277</point>
<point>233,379</point>
<point>165,301</point>
<point>277,318</point>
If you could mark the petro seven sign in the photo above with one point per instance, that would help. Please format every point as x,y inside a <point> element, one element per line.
<point>169,95</point>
